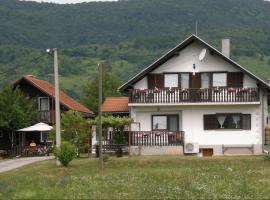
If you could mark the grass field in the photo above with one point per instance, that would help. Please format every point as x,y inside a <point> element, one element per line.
<point>142,178</point>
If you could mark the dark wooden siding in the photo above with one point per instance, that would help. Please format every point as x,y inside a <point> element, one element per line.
<point>155,81</point>
<point>210,122</point>
<point>235,79</point>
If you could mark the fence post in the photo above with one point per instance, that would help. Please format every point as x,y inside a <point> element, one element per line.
<point>97,151</point>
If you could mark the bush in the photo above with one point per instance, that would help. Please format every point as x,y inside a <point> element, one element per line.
<point>266,157</point>
<point>106,157</point>
<point>65,153</point>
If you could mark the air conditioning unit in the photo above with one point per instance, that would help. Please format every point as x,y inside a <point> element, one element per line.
<point>191,147</point>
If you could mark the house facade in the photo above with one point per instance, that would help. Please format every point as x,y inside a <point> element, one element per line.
<point>43,92</point>
<point>195,99</point>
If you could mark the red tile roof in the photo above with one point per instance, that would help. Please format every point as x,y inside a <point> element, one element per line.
<point>115,104</point>
<point>64,99</point>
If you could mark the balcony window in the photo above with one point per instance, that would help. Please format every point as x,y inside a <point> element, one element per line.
<point>171,80</point>
<point>159,123</point>
<point>165,122</point>
<point>185,80</point>
<point>205,80</point>
<point>219,79</point>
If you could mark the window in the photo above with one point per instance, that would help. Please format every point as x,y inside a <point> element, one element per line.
<point>227,121</point>
<point>185,80</point>
<point>165,122</point>
<point>170,80</point>
<point>159,123</point>
<point>44,104</point>
<point>219,79</point>
<point>205,80</point>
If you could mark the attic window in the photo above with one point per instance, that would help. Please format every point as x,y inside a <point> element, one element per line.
<point>171,80</point>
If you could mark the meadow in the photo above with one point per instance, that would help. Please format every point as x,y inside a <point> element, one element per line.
<point>145,177</point>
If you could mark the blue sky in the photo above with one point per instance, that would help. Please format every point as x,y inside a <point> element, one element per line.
<point>67,1</point>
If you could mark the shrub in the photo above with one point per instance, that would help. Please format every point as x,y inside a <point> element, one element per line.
<point>106,157</point>
<point>266,157</point>
<point>65,153</point>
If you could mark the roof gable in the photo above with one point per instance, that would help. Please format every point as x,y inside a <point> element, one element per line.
<point>48,89</point>
<point>175,51</point>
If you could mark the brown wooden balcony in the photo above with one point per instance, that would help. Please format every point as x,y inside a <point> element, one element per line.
<point>47,117</point>
<point>178,95</point>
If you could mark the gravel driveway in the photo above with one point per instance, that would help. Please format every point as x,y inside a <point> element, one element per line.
<point>19,162</point>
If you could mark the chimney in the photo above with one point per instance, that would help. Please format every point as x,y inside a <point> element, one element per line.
<point>225,47</point>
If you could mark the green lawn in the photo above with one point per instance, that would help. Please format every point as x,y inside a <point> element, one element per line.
<point>142,177</point>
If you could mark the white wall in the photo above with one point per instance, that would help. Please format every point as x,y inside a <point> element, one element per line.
<point>188,56</point>
<point>192,123</point>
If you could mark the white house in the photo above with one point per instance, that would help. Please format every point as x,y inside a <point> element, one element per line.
<point>195,99</point>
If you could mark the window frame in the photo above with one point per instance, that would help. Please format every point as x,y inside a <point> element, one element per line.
<point>180,80</point>
<point>39,103</point>
<point>167,121</point>
<point>229,114</point>
<point>172,73</point>
<point>221,72</point>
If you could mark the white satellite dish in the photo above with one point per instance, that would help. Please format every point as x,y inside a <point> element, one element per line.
<point>202,55</point>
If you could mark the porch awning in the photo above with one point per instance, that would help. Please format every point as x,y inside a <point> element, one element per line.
<point>37,127</point>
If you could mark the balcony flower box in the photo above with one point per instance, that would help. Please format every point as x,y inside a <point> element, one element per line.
<point>183,90</point>
<point>231,90</point>
<point>171,134</point>
<point>201,91</point>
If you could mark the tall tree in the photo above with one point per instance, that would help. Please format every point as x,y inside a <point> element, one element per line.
<point>90,90</point>
<point>16,110</point>
<point>76,129</point>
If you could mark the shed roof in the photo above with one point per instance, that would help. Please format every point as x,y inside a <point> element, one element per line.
<point>115,105</point>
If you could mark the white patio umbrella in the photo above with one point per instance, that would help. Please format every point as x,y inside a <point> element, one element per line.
<point>37,127</point>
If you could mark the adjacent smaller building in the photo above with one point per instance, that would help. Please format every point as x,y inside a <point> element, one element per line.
<point>43,92</point>
<point>116,106</point>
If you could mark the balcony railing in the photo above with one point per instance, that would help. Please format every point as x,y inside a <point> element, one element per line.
<point>178,95</point>
<point>47,116</point>
<point>157,138</point>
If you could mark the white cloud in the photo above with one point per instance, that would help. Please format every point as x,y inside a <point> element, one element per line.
<point>67,1</point>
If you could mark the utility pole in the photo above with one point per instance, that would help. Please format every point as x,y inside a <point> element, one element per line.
<point>54,52</point>
<point>100,116</point>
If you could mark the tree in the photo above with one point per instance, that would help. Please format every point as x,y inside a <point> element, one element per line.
<point>118,124</point>
<point>76,130</point>
<point>110,86</point>
<point>16,110</point>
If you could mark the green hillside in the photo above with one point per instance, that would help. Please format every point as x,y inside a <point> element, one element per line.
<point>127,35</point>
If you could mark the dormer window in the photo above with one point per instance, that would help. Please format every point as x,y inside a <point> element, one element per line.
<point>219,79</point>
<point>171,80</point>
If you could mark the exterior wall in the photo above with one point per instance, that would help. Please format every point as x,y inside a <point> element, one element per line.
<point>187,57</point>
<point>191,122</point>
<point>157,150</point>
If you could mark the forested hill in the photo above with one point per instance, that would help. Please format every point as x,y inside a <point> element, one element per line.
<point>128,35</point>
<point>42,25</point>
